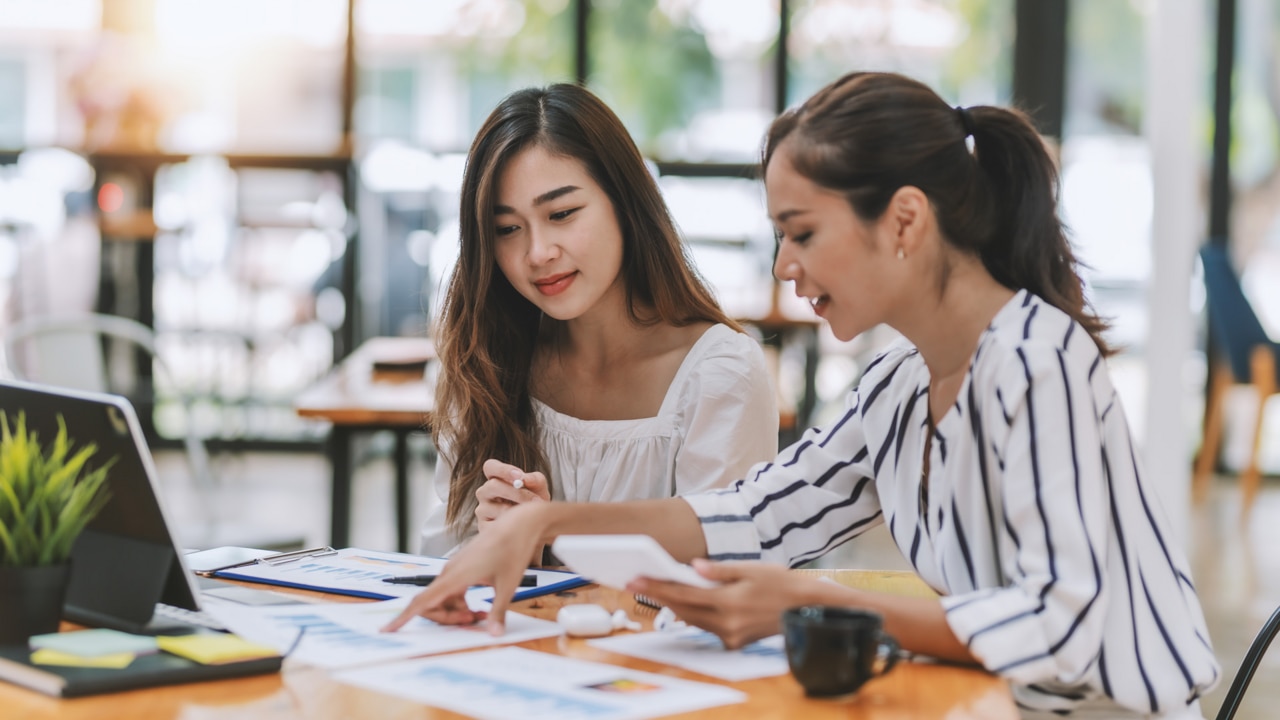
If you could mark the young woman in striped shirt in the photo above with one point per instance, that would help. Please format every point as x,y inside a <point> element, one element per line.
<point>991,441</point>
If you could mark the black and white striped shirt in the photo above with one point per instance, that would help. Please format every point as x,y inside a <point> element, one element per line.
<point>1051,551</point>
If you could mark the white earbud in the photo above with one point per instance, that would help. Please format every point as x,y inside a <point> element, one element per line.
<point>585,620</point>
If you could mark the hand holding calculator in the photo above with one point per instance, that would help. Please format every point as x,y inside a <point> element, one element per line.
<point>616,560</point>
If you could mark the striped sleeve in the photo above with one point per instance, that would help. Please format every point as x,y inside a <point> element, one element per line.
<point>1047,622</point>
<point>813,496</point>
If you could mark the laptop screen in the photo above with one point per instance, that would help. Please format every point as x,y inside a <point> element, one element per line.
<point>126,560</point>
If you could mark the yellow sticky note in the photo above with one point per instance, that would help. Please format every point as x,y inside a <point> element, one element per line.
<point>57,657</point>
<point>214,648</point>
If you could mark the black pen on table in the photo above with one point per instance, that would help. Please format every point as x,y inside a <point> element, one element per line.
<point>526,581</point>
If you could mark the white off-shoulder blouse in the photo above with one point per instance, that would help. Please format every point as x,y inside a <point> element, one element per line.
<point>718,418</point>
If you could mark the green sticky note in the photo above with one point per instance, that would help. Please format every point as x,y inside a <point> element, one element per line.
<point>56,657</point>
<point>94,643</point>
<point>214,648</point>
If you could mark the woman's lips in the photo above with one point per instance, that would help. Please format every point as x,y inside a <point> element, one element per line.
<point>555,284</point>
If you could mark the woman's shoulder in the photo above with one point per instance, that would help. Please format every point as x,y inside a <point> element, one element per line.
<point>720,348</point>
<point>1030,327</point>
<point>1031,338</point>
<point>722,361</point>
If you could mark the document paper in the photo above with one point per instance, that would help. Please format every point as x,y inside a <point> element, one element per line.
<point>337,635</point>
<point>702,652</point>
<point>514,682</point>
<point>357,572</point>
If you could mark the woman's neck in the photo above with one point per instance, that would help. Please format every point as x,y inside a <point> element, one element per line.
<point>946,326</point>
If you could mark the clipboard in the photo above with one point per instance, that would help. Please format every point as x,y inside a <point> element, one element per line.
<point>270,559</point>
<point>359,573</point>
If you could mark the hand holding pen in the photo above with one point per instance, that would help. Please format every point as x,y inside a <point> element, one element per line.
<point>505,487</point>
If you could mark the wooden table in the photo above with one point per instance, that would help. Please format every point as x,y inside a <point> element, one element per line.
<point>911,690</point>
<point>357,398</point>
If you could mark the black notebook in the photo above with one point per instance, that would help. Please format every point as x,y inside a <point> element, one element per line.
<point>159,668</point>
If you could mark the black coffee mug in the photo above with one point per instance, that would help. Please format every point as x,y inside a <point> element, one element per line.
<point>834,650</point>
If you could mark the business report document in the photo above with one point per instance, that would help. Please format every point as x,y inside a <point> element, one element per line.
<point>334,635</point>
<point>360,573</point>
<point>514,682</point>
<point>696,649</point>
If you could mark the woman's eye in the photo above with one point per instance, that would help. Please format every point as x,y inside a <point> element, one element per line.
<point>564,213</point>
<point>504,230</point>
<point>800,239</point>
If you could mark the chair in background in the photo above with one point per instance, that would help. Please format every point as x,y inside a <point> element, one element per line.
<point>1252,358</point>
<point>70,351</point>
<point>1248,666</point>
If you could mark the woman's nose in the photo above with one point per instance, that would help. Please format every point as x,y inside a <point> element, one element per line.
<point>542,247</point>
<point>785,266</point>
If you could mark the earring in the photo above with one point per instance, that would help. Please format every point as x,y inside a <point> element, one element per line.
<point>902,254</point>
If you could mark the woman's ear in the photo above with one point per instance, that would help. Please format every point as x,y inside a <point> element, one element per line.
<point>909,218</point>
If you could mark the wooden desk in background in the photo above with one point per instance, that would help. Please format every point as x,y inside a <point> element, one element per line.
<point>356,398</point>
<point>911,690</point>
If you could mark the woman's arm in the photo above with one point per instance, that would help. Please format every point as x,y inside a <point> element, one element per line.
<point>749,602</point>
<point>495,556</point>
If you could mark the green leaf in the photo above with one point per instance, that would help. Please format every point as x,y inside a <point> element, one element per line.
<point>47,497</point>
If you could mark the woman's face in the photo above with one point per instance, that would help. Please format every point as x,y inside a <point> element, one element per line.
<point>845,267</point>
<point>557,238</point>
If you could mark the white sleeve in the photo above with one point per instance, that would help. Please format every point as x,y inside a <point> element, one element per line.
<point>436,539</point>
<point>1048,621</point>
<point>729,420</point>
<point>815,495</point>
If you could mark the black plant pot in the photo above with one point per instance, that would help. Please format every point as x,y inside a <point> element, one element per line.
<point>31,601</point>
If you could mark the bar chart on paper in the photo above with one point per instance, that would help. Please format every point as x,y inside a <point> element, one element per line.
<point>361,573</point>
<point>334,635</point>
<point>514,682</point>
<point>351,571</point>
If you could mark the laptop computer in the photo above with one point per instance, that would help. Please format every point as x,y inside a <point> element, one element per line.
<point>127,571</point>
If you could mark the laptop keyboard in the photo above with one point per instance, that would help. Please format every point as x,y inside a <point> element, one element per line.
<point>198,618</point>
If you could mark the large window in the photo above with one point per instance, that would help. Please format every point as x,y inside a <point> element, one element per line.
<point>962,48</point>
<point>233,114</point>
<point>431,72</point>
<point>1106,168</point>
<point>692,79</point>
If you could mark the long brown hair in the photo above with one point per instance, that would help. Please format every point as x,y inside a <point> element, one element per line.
<point>488,331</point>
<point>868,134</point>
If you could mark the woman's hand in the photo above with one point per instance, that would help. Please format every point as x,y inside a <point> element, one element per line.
<point>499,493</point>
<point>493,558</point>
<point>746,606</point>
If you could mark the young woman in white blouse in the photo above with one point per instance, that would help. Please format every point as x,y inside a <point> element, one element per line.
<point>582,359</point>
<point>991,441</point>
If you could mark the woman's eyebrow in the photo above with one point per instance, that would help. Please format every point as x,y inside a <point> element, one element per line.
<point>542,199</point>
<point>786,215</point>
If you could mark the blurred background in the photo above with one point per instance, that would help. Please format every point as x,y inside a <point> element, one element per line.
<point>265,185</point>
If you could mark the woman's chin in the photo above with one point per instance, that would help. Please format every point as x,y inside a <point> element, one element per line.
<point>845,332</point>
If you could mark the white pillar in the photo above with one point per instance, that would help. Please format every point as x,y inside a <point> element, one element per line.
<point>1176,60</point>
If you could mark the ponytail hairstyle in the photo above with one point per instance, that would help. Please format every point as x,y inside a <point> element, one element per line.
<point>868,134</point>
<point>488,331</point>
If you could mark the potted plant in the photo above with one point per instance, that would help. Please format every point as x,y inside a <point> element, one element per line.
<point>47,496</point>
